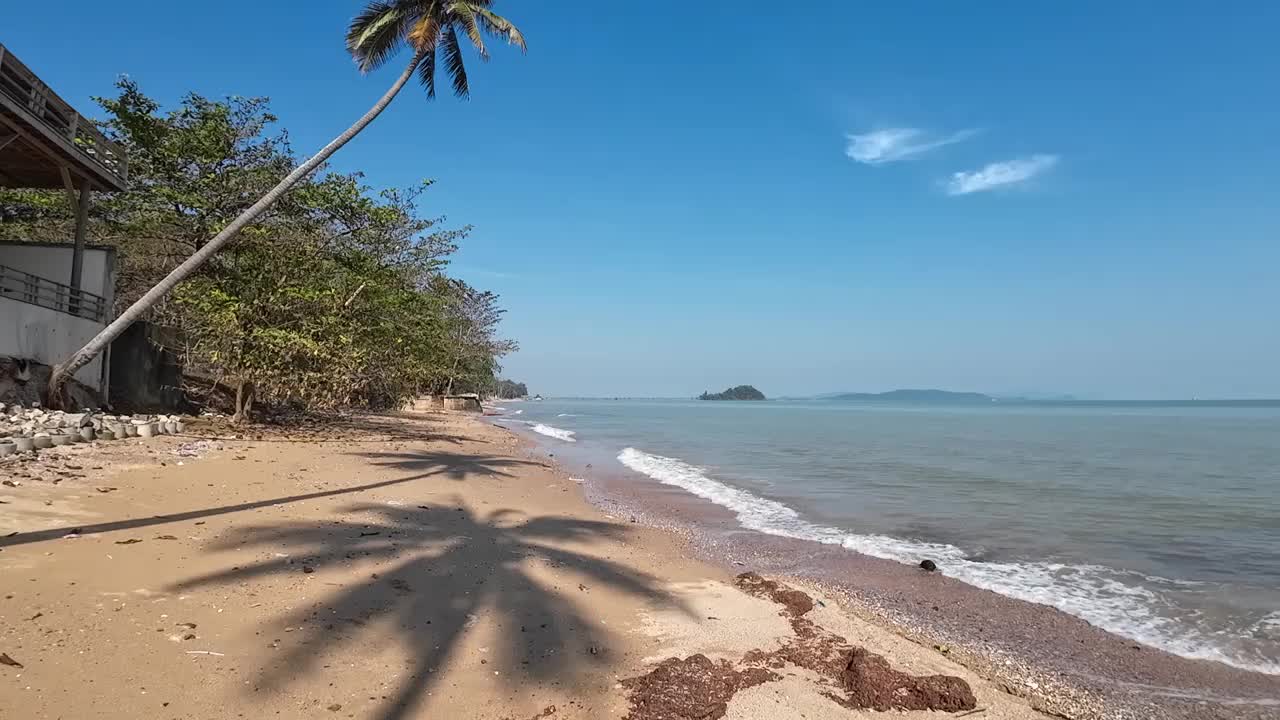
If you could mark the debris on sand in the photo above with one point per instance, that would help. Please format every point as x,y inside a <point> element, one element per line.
<point>6,660</point>
<point>695,687</point>
<point>870,683</point>
<point>854,677</point>
<point>861,678</point>
<point>796,603</point>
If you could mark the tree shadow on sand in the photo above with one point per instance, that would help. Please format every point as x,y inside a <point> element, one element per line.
<point>385,427</point>
<point>452,465</point>
<point>439,568</point>
<point>423,464</point>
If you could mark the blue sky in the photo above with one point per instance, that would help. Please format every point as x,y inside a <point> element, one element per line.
<point>999,196</point>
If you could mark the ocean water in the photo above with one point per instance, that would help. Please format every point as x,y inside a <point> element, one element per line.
<point>1158,523</point>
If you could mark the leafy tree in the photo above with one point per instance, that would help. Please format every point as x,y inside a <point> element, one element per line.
<point>429,28</point>
<point>337,296</point>
<point>507,390</point>
<point>472,347</point>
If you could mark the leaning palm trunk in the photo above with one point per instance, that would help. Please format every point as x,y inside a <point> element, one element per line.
<point>135,311</point>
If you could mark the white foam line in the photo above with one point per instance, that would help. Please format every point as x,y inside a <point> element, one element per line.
<point>555,432</point>
<point>1092,592</point>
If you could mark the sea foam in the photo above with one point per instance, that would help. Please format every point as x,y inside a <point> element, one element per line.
<point>1122,602</point>
<point>555,432</point>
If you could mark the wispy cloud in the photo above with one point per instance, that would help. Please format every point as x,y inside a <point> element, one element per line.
<point>1000,174</point>
<point>892,144</point>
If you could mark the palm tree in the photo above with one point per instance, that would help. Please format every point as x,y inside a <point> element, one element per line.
<point>430,29</point>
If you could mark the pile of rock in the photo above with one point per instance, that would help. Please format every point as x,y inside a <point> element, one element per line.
<point>28,429</point>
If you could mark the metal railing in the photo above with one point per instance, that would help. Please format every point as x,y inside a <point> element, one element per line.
<point>20,84</point>
<point>36,290</point>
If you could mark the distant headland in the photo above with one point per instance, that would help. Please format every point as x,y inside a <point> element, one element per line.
<point>931,397</point>
<point>742,392</point>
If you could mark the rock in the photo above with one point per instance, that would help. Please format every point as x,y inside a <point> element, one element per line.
<point>928,565</point>
<point>6,660</point>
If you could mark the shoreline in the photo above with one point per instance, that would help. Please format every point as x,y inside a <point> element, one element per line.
<point>1065,664</point>
<point>384,568</point>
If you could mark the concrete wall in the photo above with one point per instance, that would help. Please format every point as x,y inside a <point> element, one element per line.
<point>53,262</point>
<point>144,376</point>
<point>47,336</point>
<point>466,403</point>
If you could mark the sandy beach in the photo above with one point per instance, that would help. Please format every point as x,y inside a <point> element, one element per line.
<point>403,567</point>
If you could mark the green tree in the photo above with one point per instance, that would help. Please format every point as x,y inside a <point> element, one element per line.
<point>429,29</point>
<point>509,389</point>
<point>336,296</point>
<point>472,347</point>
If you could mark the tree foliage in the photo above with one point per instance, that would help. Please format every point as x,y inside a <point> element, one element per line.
<point>338,296</point>
<point>741,392</point>
<point>509,389</point>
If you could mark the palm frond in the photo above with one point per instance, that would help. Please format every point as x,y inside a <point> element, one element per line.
<point>498,26</point>
<point>465,15</point>
<point>427,73</point>
<point>453,62</point>
<point>425,34</point>
<point>376,34</point>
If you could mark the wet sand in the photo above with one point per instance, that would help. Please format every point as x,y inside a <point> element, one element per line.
<point>388,568</point>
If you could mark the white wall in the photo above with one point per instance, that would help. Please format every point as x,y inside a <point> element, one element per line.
<point>53,262</point>
<point>47,336</point>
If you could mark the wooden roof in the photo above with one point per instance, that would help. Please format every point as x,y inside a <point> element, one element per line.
<point>44,142</point>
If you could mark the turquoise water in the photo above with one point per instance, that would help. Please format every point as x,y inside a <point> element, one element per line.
<point>1159,523</point>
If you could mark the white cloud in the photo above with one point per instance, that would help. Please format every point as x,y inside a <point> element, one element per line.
<point>892,144</point>
<point>999,174</point>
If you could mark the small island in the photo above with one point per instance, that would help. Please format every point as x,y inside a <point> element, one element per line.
<point>742,392</point>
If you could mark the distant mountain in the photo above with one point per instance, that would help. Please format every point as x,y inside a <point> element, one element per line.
<point>742,392</point>
<point>932,397</point>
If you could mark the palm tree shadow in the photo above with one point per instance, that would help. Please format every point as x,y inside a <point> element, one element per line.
<point>455,466</point>
<point>442,568</point>
<point>424,464</point>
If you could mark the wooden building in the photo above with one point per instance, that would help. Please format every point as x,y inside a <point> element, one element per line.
<point>46,144</point>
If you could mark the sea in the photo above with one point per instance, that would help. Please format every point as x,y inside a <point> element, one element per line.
<point>1159,522</point>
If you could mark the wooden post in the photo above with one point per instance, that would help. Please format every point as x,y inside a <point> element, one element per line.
<point>77,253</point>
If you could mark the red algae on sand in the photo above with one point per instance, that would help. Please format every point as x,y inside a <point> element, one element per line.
<point>697,687</point>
